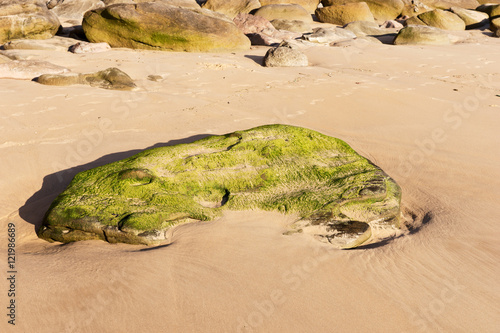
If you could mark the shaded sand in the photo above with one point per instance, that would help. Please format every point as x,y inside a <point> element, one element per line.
<point>394,105</point>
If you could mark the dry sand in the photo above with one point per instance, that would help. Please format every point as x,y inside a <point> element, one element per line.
<point>429,116</point>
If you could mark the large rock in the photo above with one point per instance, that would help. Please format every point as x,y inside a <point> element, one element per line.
<point>343,14</point>
<point>285,55</point>
<point>292,25</point>
<point>284,12</point>
<point>74,9</point>
<point>29,69</point>
<point>26,19</point>
<point>422,35</point>
<point>260,31</point>
<point>442,19</point>
<point>231,8</point>
<point>382,10</point>
<point>473,19</point>
<point>372,29</point>
<point>366,28</point>
<point>156,26</point>
<point>111,78</point>
<point>495,20</point>
<point>309,5</point>
<point>341,197</point>
<point>417,7</point>
<point>251,24</point>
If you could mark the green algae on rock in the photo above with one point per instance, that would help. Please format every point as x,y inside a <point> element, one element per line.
<point>340,197</point>
<point>159,26</point>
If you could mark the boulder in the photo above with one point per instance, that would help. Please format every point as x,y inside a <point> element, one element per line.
<point>74,9</point>
<point>156,26</point>
<point>55,43</point>
<point>372,29</point>
<point>284,12</point>
<point>442,19</point>
<point>382,10</point>
<point>495,20</point>
<point>422,35</point>
<point>251,24</point>
<point>272,40</point>
<point>343,14</point>
<point>83,47</point>
<point>473,19</point>
<point>231,8</point>
<point>329,35</point>
<point>285,55</point>
<point>179,3</point>
<point>367,28</point>
<point>414,20</point>
<point>111,78</point>
<point>29,69</point>
<point>26,19</point>
<point>309,5</point>
<point>260,31</point>
<point>341,198</point>
<point>417,7</point>
<point>486,8</point>
<point>292,25</point>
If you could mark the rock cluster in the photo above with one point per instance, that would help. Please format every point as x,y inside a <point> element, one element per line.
<point>182,25</point>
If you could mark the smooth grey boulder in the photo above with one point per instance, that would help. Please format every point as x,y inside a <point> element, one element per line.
<point>285,55</point>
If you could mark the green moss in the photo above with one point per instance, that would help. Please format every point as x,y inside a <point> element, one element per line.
<point>275,167</point>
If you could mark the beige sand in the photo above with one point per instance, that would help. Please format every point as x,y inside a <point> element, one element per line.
<point>398,106</point>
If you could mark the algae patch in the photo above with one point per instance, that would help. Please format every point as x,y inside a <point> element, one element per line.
<point>339,195</point>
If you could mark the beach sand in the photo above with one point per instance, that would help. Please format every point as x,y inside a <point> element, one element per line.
<point>427,115</point>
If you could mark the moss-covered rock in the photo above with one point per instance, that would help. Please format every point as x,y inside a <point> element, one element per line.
<point>158,26</point>
<point>338,194</point>
<point>26,19</point>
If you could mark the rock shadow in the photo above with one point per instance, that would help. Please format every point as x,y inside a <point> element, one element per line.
<point>258,59</point>
<point>34,209</point>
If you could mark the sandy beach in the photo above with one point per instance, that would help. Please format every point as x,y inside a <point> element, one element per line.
<point>427,115</point>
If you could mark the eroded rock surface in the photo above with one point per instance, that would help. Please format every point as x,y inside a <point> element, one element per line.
<point>340,197</point>
<point>26,19</point>
<point>111,78</point>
